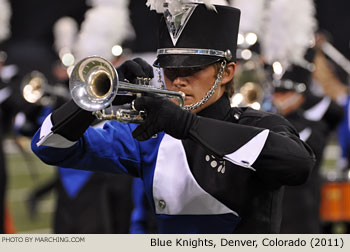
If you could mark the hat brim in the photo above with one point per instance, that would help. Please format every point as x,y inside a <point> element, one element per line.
<point>282,90</point>
<point>180,60</point>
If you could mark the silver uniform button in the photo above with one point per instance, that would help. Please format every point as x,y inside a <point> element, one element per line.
<point>161,204</point>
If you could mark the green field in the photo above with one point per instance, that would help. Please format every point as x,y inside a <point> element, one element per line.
<point>26,172</point>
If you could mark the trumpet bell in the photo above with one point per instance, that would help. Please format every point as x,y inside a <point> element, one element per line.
<point>250,84</point>
<point>252,92</point>
<point>33,86</point>
<point>93,83</point>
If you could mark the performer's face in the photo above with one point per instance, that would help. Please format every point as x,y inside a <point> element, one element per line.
<point>196,82</point>
<point>287,102</point>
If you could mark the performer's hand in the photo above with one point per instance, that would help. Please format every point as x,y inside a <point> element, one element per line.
<point>131,69</point>
<point>162,115</point>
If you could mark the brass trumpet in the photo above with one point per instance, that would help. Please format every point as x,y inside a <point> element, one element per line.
<point>36,89</point>
<point>94,84</point>
<point>250,84</point>
<point>252,92</point>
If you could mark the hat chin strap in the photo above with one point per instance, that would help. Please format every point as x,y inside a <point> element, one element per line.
<point>207,95</point>
<point>210,92</point>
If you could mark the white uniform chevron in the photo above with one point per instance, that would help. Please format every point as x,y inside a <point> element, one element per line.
<point>48,138</point>
<point>316,112</point>
<point>248,153</point>
<point>305,134</point>
<point>175,190</point>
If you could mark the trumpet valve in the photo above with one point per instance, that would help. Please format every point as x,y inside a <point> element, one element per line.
<point>143,81</point>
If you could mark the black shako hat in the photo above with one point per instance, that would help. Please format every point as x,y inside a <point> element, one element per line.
<point>297,78</point>
<point>200,36</point>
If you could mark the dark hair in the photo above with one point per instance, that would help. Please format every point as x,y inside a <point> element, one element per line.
<point>229,86</point>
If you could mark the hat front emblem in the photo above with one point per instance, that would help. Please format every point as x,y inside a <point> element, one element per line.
<point>176,21</point>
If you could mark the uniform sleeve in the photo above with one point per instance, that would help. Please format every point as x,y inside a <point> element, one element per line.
<point>268,145</point>
<point>108,149</point>
<point>344,134</point>
<point>334,115</point>
<point>324,109</point>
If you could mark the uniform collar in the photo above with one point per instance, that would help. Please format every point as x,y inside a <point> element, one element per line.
<point>218,110</point>
<point>298,113</point>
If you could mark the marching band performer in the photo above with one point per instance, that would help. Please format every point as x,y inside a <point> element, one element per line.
<point>207,167</point>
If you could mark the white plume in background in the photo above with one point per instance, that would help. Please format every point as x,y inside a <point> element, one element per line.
<point>157,5</point>
<point>288,31</point>
<point>252,15</point>
<point>103,27</point>
<point>65,31</point>
<point>5,15</point>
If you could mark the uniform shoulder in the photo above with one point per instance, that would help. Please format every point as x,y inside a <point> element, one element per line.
<point>249,113</point>
<point>263,119</point>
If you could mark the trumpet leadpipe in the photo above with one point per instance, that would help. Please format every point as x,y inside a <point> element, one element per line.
<point>94,85</point>
<point>144,89</point>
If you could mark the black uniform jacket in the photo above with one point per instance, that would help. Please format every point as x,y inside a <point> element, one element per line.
<point>239,156</point>
<point>254,190</point>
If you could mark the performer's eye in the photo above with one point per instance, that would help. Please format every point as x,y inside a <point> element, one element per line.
<point>173,73</point>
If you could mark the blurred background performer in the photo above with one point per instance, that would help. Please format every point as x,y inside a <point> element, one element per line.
<point>30,46</point>
<point>53,94</point>
<point>30,50</point>
<point>332,77</point>
<point>91,202</point>
<point>301,205</point>
<point>284,44</point>
<point>251,87</point>
<point>5,14</point>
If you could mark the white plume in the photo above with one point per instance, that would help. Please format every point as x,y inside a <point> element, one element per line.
<point>288,31</point>
<point>252,14</point>
<point>65,31</point>
<point>157,5</point>
<point>5,15</point>
<point>103,27</point>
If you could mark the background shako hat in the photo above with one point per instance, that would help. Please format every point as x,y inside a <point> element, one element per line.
<point>297,78</point>
<point>211,33</point>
